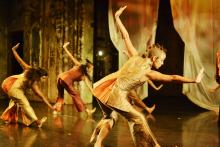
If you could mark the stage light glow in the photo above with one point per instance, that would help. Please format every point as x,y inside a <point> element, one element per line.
<point>100,53</point>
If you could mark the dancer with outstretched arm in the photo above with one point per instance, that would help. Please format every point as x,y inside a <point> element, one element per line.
<point>112,91</point>
<point>15,87</point>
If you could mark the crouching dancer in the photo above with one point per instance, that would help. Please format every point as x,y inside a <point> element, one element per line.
<point>15,87</point>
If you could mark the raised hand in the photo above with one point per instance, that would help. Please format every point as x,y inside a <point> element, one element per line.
<point>66,44</point>
<point>119,11</point>
<point>75,61</point>
<point>24,65</point>
<point>200,75</point>
<point>159,87</point>
<point>16,46</point>
<point>129,46</point>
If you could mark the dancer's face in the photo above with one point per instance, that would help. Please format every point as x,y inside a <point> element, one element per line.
<point>159,61</point>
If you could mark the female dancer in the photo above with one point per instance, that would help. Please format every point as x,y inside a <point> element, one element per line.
<point>112,90</point>
<point>79,72</point>
<point>15,87</point>
<point>133,97</point>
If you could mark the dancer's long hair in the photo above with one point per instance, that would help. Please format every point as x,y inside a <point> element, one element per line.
<point>34,74</point>
<point>83,68</point>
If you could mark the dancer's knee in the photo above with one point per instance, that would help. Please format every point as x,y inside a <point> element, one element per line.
<point>138,118</point>
<point>108,123</point>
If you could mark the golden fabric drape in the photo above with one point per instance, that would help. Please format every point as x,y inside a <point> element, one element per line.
<point>197,22</point>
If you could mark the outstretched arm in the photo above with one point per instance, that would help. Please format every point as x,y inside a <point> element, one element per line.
<point>24,65</point>
<point>157,76</point>
<point>133,96</point>
<point>37,91</point>
<point>130,48</point>
<point>154,86</point>
<point>75,61</point>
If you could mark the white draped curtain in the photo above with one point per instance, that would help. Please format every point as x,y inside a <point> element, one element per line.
<point>139,19</point>
<point>197,22</point>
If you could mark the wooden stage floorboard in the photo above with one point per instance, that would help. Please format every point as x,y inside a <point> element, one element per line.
<point>73,129</point>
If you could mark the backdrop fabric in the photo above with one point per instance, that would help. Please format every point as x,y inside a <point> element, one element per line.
<point>197,22</point>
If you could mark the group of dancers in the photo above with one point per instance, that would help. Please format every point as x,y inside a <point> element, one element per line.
<point>115,93</point>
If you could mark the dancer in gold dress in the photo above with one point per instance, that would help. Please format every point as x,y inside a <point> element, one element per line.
<point>112,91</point>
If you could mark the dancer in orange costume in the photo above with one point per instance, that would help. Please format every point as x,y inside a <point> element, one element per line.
<point>15,87</point>
<point>79,72</point>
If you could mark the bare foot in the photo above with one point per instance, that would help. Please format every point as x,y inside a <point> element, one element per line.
<point>150,109</point>
<point>57,106</point>
<point>40,123</point>
<point>90,111</point>
<point>7,122</point>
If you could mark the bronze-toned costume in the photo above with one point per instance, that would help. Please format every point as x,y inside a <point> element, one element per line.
<point>112,92</point>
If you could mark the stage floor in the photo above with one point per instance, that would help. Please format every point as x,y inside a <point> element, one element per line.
<point>73,129</point>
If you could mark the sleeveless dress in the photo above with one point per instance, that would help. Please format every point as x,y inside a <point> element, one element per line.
<point>112,89</point>
<point>112,92</point>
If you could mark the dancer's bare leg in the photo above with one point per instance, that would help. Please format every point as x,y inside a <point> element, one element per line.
<point>90,111</point>
<point>105,128</point>
<point>140,130</point>
<point>150,109</point>
<point>96,132</point>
